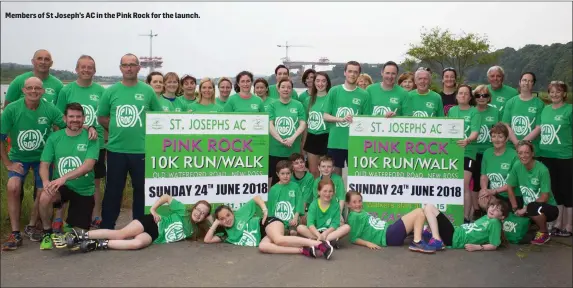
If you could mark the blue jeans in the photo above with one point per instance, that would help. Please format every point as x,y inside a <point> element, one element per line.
<point>118,165</point>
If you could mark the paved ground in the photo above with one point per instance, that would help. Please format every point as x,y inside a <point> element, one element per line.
<point>194,264</point>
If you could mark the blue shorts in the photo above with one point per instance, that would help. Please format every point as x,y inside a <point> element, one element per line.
<point>340,156</point>
<point>26,167</point>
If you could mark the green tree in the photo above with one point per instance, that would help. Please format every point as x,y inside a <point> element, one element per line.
<point>441,49</point>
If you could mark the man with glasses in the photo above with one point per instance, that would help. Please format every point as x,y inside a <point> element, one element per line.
<point>423,102</point>
<point>189,83</point>
<point>121,112</point>
<point>29,122</point>
<point>500,93</point>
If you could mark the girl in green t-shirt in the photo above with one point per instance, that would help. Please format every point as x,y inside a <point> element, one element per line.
<point>244,228</point>
<point>206,99</point>
<point>323,216</point>
<point>369,231</point>
<point>165,226</point>
<point>486,233</point>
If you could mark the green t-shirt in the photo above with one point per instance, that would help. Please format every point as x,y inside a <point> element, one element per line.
<point>126,108</point>
<point>339,188</point>
<point>196,107</point>
<point>284,201</point>
<point>316,124</point>
<point>167,105</point>
<point>426,105</point>
<point>29,129</point>
<point>89,98</point>
<point>236,103</point>
<point>303,96</point>
<point>482,231</point>
<point>532,182</point>
<point>523,117</point>
<point>489,117</point>
<point>306,183</point>
<point>501,96</point>
<point>221,102</point>
<point>339,103</point>
<point>274,93</point>
<point>246,229</point>
<point>182,104</point>
<point>515,228</point>
<point>367,227</point>
<point>383,101</point>
<point>286,119</point>
<point>267,103</point>
<point>497,168</point>
<point>472,123</point>
<point>322,220</point>
<point>174,225</point>
<point>68,153</point>
<point>556,139</point>
<point>52,87</point>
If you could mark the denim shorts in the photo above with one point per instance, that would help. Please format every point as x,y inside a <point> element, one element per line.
<point>26,167</point>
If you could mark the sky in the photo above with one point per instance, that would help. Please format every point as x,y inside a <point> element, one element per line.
<point>231,37</point>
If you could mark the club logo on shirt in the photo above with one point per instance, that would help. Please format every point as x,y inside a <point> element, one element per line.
<point>293,110</point>
<point>177,110</point>
<point>376,223</point>
<point>284,211</point>
<point>315,121</point>
<point>341,112</point>
<point>534,181</point>
<point>510,227</point>
<point>139,97</point>
<point>505,166</point>
<point>284,125</point>
<point>528,195</point>
<point>82,147</point>
<point>549,134</point>
<point>394,100</point>
<point>241,224</point>
<point>42,120</point>
<point>50,91</point>
<point>356,101</point>
<point>255,106</point>
<point>558,117</point>
<point>430,105</point>
<point>469,228</point>
<point>467,118</point>
<point>496,180</point>
<point>291,193</point>
<point>30,140</point>
<point>248,238</point>
<point>90,115</point>
<point>532,109</point>
<point>483,136</point>
<point>69,163</point>
<point>521,125</point>
<point>174,232</point>
<point>421,114</point>
<point>489,119</point>
<point>500,99</point>
<point>380,110</point>
<point>128,116</point>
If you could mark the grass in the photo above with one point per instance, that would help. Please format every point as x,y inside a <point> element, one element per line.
<point>28,202</point>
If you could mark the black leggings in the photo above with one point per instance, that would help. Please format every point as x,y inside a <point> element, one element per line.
<point>560,171</point>
<point>445,228</point>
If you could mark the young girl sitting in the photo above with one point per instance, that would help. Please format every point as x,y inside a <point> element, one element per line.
<point>371,232</point>
<point>323,217</point>
<point>483,234</point>
<point>171,225</point>
<point>245,229</point>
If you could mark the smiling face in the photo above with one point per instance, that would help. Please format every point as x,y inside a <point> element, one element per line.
<point>85,69</point>
<point>309,79</point>
<point>224,89</point>
<point>351,74</point>
<point>408,84</point>
<point>261,90</point>
<point>320,83</point>
<point>33,89</point>
<point>326,192</point>
<point>42,61</point>
<point>494,212</point>
<point>355,203</point>
<point>298,165</point>
<point>226,217</point>
<point>207,90</point>
<point>74,119</point>
<point>325,168</point>
<point>498,140</point>
<point>557,95</point>
<point>422,80</point>
<point>495,79</point>
<point>525,154</point>
<point>389,75</point>
<point>200,212</point>
<point>157,84</point>
<point>449,79</point>
<point>285,89</point>
<point>171,84</point>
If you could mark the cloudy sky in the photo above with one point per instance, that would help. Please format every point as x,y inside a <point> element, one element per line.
<point>230,37</point>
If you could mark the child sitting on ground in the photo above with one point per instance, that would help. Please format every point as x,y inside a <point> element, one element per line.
<point>304,179</point>
<point>326,166</point>
<point>284,199</point>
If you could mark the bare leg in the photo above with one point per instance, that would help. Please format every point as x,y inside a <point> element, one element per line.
<point>97,198</point>
<point>541,221</point>
<point>14,186</point>
<point>266,246</point>
<point>568,219</point>
<point>483,201</point>
<point>475,200</point>
<point>134,228</point>
<point>275,231</point>
<point>431,213</point>
<point>60,212</point>
<point>558,223</point>
<point>313,164</point>
<point>339,233</point>
<point>46,208</point>
<point>467,195</point>
<point>35,213</point>
<point>140,241</point>
<point>305,232</point>
<point>414,221</point>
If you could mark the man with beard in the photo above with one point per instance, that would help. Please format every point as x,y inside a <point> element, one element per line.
<point>342,103</point>
<point>75,156</point>
<point>281,72</point>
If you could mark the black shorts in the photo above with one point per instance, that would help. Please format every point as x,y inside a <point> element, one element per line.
<point>560,171</point>
<point>476,175</point>
<point>149,226</point>
<point>518,199</point>
<point>535,209</point>
<point>340,156</point>
<point>80,208</point>
<point>99,167</point>
<point>273,160</point>
<point>469,165</point>
<point>264,226</point>
<point>396,233</point>
<point>445,228</point>
<point>316,144</point>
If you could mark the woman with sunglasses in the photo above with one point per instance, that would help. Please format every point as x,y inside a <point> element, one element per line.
<point>170,224</point>
<point>556,151</point>
<point>530,179</point>
<point>522,114</point>
<point>448,93</point>
<point>472,122</point>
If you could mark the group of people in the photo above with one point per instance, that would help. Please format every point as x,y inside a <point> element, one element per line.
<point>517,164</point>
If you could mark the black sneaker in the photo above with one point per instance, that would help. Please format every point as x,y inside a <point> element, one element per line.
<point>309,252</point>
<point>75,237</point>
<point>335,244</point>
<point>326,249</point>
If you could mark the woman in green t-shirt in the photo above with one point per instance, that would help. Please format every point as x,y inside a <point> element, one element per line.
<point>245,228</point>
<point>465,109</point>
<point>531,178</point>
<point>369,231</point>
<point>262,90</point>
<point>165,226</point>
<point>556,151</point>
<point>244,101</point>
<point>486,233</point>
<point>206,99</point>
<point>155,80</point>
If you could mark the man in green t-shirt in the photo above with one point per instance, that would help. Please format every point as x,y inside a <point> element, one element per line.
<point>342,103</point>
<point>74,156</point>
<point>87,93</point>
<point>281,72</point>
<point>122,110</point>
<point>500,92</point>
<point>423,102</point>
<point>387,98</point>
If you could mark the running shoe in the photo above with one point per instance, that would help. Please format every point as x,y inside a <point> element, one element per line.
<point>46,242</point>
<point>33,233</point>
<point>326,249</point>
<point>91,245</point>
<point>540,238</point>
<point>436,244</point>
<point>75,237</point>
<point>422,247</point>
<point>426,235</point>
<point>13,242</point>
<point>309,252</point>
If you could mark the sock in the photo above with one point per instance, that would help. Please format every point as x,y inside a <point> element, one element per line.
<point>48,231</point>
<point>58,220</point>
<point>16,233</point>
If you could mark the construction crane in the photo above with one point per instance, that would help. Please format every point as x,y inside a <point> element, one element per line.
<point>286,46</point>
<point>150,35</point>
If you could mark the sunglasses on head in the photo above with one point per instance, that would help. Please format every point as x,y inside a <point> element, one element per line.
<point>449,69</point>
<point>557,82</point>
<point>424,69</point>
<point>481,95</point>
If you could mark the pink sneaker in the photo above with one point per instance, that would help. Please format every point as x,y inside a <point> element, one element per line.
<point>540,238</point>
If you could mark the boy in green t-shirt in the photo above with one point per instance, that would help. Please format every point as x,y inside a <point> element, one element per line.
<point>284,199</point>
<point>304,179</point>
<point>326,167</point>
